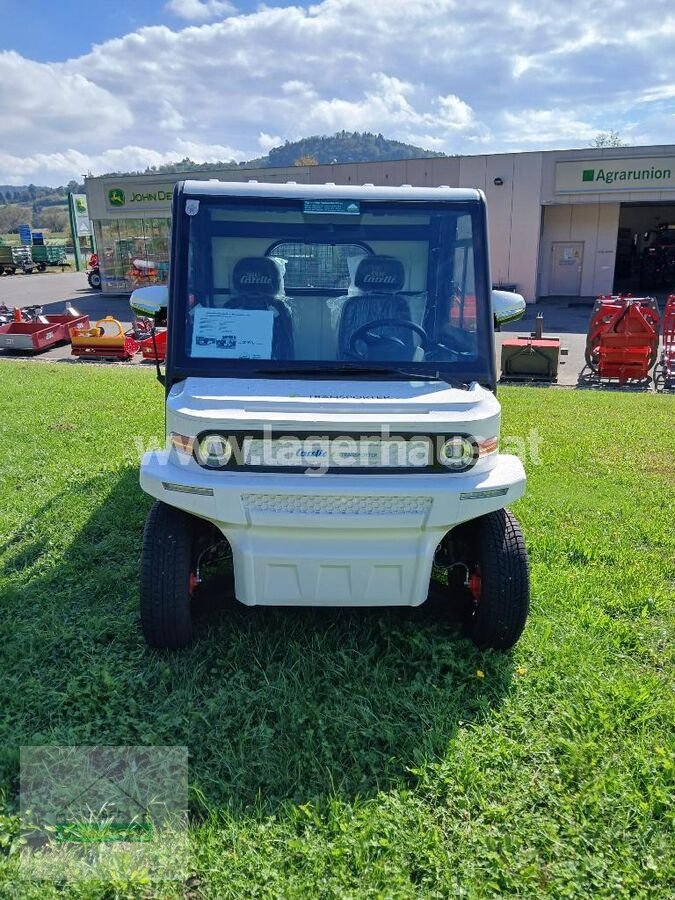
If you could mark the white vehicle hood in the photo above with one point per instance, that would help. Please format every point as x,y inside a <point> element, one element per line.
<point>198,403</point>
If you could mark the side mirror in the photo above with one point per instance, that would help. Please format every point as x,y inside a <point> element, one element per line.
<point>150,301</point>
<point>507,307</point>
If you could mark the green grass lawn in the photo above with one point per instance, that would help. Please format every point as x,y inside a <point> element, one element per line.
<point>357,754</point>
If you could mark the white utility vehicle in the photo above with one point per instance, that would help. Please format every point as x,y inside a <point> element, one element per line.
<point>330,406</point>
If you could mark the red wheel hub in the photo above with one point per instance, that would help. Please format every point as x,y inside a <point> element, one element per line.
<point>475,584</point>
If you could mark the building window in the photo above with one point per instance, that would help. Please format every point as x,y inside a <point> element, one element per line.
<point>132,252</point>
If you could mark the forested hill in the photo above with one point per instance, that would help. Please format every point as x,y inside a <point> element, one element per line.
<point>343,147</point>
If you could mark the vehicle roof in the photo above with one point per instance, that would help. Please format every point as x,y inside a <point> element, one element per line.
<point>290,190</point>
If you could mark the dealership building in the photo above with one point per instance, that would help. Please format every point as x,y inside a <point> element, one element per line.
<point>574,223</point>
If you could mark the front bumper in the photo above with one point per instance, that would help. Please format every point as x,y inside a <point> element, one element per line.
<point>332,540</point>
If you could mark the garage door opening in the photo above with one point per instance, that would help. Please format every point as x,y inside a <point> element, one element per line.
<point>645,249</point>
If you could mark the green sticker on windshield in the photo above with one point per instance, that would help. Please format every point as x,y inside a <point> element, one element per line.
<point>333,207</point>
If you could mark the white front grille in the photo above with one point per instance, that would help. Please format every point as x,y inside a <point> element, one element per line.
<point>308,504</point>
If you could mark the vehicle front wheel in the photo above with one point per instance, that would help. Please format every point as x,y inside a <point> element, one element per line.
<point>94,279</point>
<point>498,581</point>
<point>167,577</point>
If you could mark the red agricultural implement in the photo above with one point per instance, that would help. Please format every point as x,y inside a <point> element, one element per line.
<point>623,337</point>
<point>154,348</point>
<point>40,333</point>
<point>667,374</point>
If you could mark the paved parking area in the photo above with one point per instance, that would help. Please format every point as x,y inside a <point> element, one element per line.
<point>46,288</point>
<point>564,318</point>
<point>569,323</point>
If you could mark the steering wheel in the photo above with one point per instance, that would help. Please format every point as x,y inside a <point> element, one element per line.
<point>452,346</point>
<point>377,341</point>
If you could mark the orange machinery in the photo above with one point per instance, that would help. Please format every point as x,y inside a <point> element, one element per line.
<point>106,340</point>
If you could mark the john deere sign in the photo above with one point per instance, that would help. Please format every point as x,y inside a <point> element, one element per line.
<point>116,197</point>
<point>143,197</point>
<point>599,176</point>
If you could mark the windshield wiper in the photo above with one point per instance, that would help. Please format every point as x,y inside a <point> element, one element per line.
<point>358,369</point>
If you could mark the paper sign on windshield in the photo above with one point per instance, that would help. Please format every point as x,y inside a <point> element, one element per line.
<point>232,333</point>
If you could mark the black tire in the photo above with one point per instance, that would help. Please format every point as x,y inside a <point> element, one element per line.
<point>41,267</point>
<point>500,609</point>
<point>166,576</point>
<point>94,279</point>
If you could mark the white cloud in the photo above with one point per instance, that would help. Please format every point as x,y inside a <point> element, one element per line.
<point>41,104</point>
<point>386,102</point>
<point>395,107</point>
<point>267,141</point>
<point>662,92</point>
<point>455,113</point>
<point>546,126</point>
<point>200,10</point>
<point>59,168</point>
<point>298,87</point>
<point>170,118</point>
<point>209,152</point>
<point>438,73</point>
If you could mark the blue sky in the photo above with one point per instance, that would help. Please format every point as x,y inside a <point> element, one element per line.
<point>54,30</point>
<point>116,85</point>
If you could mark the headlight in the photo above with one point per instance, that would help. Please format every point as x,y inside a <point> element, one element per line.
<point>458,453</point>
<point>489,445</point>
<point>213,451</point>
<point>181,442</point>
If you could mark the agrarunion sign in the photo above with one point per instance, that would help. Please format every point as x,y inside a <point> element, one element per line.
<point>619,174</point>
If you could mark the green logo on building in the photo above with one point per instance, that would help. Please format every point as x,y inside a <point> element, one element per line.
<point>588,175</point>
<point>116,197</point>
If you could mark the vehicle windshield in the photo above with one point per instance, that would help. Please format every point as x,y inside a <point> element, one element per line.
<point>277,285</point>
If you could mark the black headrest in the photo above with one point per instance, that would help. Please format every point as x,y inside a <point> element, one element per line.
<point>380,274</point>
<point>257,275</point>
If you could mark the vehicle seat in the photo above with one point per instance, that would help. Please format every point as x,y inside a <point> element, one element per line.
<point>258,283</point>
<point>377,282</point>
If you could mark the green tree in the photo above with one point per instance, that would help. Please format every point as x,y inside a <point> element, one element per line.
<point>608,139</point>
<point>12,215</point>
<point>53,218</point>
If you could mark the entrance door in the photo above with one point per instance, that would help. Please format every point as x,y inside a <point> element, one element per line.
<point>566,261</point>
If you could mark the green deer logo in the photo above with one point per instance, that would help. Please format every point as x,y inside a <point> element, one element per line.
<point>116,197</point>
